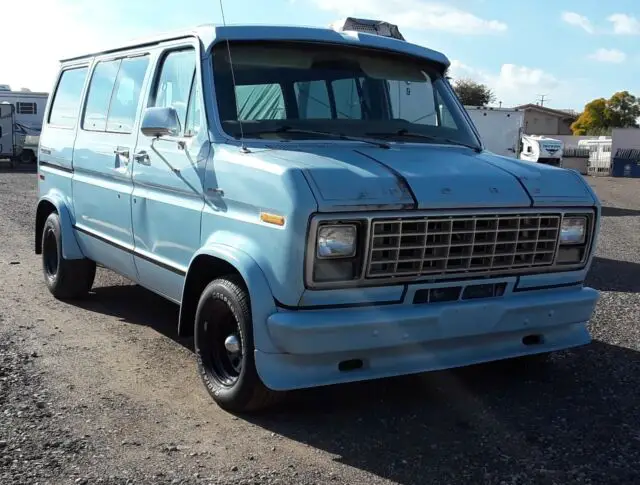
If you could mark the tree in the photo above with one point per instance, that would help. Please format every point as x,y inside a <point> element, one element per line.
<point>592,118</point>
<point>601,115</point>
<point>623,110</point>
<point>472,93</point>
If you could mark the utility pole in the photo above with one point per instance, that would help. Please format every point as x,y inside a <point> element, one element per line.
<point>542,99</point>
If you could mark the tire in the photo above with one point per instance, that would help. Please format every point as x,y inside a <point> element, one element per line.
<point>65,278</point>
<point>231,378</point>
<point>27,156</point>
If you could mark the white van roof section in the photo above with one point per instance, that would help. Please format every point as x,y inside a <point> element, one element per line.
<point>211,34</point>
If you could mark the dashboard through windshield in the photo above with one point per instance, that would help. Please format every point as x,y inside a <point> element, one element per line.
<point>305,90</point>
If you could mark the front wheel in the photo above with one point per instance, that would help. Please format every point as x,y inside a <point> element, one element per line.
<point>223,341</point>
<point>65,278</point>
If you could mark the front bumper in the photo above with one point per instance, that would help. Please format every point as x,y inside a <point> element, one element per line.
<point>408,338</point>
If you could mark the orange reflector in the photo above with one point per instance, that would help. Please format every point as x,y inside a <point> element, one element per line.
<point>272,219</point>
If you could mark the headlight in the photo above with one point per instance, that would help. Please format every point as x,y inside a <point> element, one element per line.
<point>573,239</point>
<point>335,253</point>
<point>337,242</point>
<point>573,230</point>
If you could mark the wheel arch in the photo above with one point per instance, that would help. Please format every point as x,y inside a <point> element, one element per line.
<point>46,206</point>
<point>217,261</point>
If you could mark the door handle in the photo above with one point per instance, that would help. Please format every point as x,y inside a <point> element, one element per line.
<point>142,157</point>
<point>122,152</point>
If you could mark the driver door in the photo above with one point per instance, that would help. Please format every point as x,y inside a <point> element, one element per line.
<point>168,177</point>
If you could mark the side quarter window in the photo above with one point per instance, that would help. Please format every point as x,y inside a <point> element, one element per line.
<point>173,85</point>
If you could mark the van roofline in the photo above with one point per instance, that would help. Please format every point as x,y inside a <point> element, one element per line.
<point>209,34</point>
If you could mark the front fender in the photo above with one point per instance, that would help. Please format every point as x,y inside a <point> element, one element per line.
<point>70,247</point>
<point>262,302</point>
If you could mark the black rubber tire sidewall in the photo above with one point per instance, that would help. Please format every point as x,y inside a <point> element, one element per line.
<point>239,396</point>
<point>73,278</point>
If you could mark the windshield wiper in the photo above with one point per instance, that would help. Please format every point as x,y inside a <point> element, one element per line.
<point>340,136</point>
<point>412,134</point>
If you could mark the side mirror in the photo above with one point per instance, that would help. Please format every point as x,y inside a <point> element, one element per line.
<point>158,122</point>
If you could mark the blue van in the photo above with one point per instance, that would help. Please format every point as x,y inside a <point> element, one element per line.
<point>318,203</point>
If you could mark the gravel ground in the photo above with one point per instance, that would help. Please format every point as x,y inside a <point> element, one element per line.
<point>105,392</point>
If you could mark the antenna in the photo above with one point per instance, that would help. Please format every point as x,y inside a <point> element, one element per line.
<point>542,96</point>
<point>243,148</point>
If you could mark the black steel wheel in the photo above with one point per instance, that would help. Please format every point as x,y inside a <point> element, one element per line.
<point>223,340</point>
<point>65,278</point>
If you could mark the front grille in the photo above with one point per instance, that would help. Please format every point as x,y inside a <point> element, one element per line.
<point>461,244</point>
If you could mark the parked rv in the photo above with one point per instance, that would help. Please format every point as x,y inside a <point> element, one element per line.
<point>542,149</point>
<point>28,111</point>
<point>7,136</point>
<point>312,233</point>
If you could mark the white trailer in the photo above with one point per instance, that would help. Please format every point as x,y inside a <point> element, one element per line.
<point>28,113</point>
<point>499,128</point>
<point>600,150</point>
<point>542,149</point>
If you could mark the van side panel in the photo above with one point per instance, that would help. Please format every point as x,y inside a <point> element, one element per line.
<point>56,149</point>
<point>102,184</point>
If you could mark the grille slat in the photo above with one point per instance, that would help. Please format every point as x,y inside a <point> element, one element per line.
<point>461,244</point>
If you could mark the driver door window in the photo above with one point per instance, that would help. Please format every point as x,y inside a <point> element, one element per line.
<point>174,83</point>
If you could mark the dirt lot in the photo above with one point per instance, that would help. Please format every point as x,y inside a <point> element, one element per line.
<point>106,393</point>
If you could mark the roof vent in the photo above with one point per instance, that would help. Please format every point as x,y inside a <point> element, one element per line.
<point>376,27</point>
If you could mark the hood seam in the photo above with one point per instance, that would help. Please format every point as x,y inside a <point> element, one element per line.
<point>399,177</point>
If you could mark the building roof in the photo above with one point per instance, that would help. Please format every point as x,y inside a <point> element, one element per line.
<point>564,114</point>
<point>211,34</point>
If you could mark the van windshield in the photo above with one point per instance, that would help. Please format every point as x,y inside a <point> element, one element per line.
<point>303,90</point>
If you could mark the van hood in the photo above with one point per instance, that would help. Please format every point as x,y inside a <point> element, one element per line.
<point>431,177</point>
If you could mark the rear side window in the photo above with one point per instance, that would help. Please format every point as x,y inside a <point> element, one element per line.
<point>114,93</point>
<point>66,100</point>
<point>126,94</point>
<point>99,97</point>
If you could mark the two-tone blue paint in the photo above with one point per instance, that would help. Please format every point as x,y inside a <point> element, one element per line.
<point>160,223</point>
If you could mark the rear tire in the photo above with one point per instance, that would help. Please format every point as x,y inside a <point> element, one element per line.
<point>223,322</point>
<point>65,278</point>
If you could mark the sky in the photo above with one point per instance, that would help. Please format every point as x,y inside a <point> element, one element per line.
<point>571,51</point>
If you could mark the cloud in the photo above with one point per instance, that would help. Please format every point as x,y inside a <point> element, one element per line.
<point>624,24</point>
<point>64,29</point>
<point>32,62</point>
<point>608,55</point>
<point>512,84</point>
<point>415,14</point>
<point>578,20</point>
